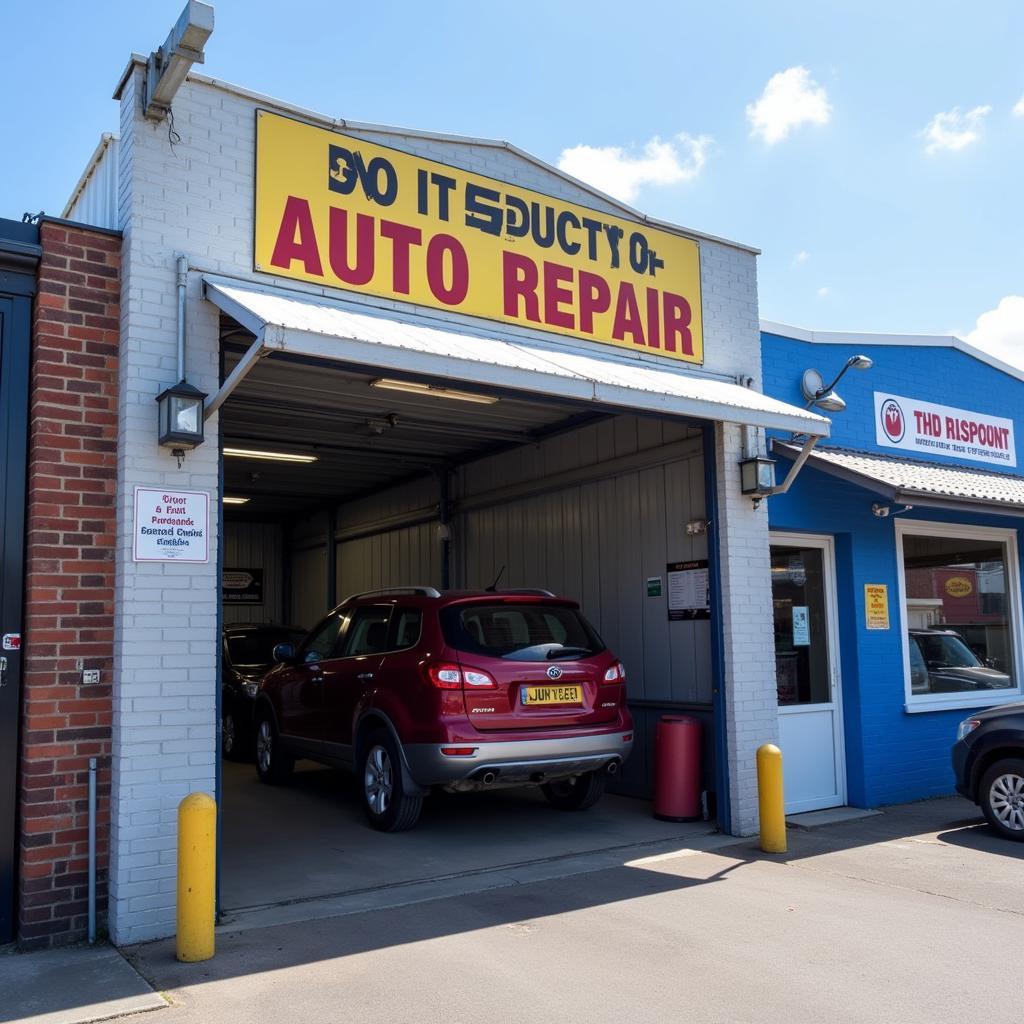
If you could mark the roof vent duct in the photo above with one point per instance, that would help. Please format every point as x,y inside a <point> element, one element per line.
<point>166,69</point>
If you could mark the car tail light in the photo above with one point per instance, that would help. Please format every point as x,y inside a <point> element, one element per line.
<point>616,674</point>
<point>458,751</point>
<point>478,680</point>
<point>447,676</point>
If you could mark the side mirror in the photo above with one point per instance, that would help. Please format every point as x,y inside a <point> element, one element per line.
<point>284,652</point>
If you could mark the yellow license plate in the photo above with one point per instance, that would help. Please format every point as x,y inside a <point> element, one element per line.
<point>532,695</point>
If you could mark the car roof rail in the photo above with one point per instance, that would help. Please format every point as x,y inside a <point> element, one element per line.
<point>421,591</point>
<point>539,591</point>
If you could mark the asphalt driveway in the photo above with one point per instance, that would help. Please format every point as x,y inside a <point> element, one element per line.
<point>914,915</point>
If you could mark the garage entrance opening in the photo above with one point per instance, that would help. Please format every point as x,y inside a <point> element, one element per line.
<point>341,478</point>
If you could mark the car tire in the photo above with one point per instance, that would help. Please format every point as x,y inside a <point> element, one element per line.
<point>232,744</point>
<point>387,806</point>
<point>1001,795</point>
<point>576,794</point>
<point>273,764</point>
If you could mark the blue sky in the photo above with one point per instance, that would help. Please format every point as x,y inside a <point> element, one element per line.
<point>871,150</point>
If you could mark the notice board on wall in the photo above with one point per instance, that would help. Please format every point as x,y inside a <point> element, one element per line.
<point>688,590</point>
<point>171,526</point>
<point>876,605</point>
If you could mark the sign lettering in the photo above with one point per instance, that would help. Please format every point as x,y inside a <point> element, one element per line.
<point>943,430</point>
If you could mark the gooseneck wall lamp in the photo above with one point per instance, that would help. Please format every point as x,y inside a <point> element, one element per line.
<point>757,472</point>
<point>822,395</point>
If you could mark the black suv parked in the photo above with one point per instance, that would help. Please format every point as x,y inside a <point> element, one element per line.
<point>988,758</point>
<point>248,656</point>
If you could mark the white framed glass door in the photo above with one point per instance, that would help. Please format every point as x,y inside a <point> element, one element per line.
<point>807,671</point>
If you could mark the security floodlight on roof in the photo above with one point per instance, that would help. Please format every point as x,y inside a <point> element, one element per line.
<point>166,69</point>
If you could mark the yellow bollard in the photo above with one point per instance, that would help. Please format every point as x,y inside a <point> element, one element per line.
<point>770,801</point>
<point>197,852</point>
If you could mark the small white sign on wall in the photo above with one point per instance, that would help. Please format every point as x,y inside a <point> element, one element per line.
<point>917,426</point>
<point>801,626</point>
<point>171,526</point>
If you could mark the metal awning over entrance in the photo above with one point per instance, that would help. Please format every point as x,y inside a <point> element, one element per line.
<point>914,482</point>
<point>311,326</point>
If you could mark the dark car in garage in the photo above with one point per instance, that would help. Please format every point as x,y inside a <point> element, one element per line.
<point>248,654</point>
<point>988,759</point>
<point>461,691</point>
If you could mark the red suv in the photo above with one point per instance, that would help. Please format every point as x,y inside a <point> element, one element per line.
<point>463,691</point>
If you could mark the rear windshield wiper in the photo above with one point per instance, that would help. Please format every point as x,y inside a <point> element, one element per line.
<point>567,652</point>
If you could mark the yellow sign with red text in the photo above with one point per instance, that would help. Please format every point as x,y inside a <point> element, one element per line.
<point>876,605</point>
<point>346,213</point>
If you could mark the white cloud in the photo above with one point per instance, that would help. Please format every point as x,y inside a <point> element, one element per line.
<point>823,293</point>
<point>1018,108</point>
<point>801,257</point>
<point>953,131</point>
<point>1000,331</point>
<point>622,174</point>
<point>790,99</point>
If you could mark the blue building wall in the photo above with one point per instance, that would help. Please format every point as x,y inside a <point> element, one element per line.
<point>892,755</point>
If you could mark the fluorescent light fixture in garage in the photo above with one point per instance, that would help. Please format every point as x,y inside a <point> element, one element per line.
<point>234,501</point>
<point>416,388</point>
<point>252,453</point>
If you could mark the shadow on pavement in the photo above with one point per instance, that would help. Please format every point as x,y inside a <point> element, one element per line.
<point>290,945</point>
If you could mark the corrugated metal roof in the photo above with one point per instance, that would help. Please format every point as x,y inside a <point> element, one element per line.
<point>311,325</point>
<point>916,482</point>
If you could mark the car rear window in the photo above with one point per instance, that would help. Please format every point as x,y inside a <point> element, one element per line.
<point>520,632</point>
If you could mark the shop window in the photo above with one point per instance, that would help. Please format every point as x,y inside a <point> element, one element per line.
<point>961,602</point>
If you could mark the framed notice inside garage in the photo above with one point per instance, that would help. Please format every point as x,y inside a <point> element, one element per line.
<point>688,590</point>
<point>242,586</point>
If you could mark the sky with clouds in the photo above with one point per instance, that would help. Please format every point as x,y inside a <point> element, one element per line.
<point>871,150</point>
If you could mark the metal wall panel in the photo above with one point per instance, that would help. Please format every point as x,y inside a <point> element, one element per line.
<point>256,546</point>
<point>309,586</point>
<point>95,201</point>
<point>404,557</point>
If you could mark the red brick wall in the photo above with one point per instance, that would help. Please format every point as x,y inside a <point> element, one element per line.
<point>69,580</point>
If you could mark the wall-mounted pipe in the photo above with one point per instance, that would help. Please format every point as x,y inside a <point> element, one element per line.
<point>92,850</point>
<point>182,288</point>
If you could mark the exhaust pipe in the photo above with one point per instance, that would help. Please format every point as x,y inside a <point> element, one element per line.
<point>487,778</point>
<point>612,767</point>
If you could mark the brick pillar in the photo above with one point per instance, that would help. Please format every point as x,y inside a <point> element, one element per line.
<point>69,565</point>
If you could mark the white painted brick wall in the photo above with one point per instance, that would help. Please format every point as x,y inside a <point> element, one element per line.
<point>196,197</point>
<point>751,709</point>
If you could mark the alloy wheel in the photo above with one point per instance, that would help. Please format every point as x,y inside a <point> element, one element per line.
<point>378,783</point>
<point>1006,796</point>
<point>228,734</point>
<point>264,745</point>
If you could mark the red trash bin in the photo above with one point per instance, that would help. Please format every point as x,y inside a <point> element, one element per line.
<point>677,769</point>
